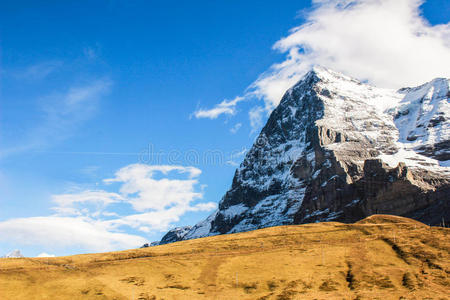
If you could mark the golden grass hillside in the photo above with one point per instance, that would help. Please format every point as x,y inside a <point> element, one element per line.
<point>381,257</point>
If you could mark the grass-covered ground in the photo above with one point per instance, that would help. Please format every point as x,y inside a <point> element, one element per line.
<point>381,257</point>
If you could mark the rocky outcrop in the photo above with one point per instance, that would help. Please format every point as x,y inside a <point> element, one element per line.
<point>337,149</point>
<point>380,190</point>
<point>175,234</point>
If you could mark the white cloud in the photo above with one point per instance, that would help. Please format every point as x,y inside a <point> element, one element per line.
<point>256,115</point>
<point>226,107</point>
<point>235,128</point>
<point>144,229</point>
<point>64,232</point>
<point>206,206</point>
<point>90,219</point>
<point>158,220</point>
<point>386,42</point>
<point>154,193</point>
<point>101,197</point>
<point>44,254</point>
<point>232,163</point>
<point>77,204</point>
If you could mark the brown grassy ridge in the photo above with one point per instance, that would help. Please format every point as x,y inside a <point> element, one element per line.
<point>381,257</point>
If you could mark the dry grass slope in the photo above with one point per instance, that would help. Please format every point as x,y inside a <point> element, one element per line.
<point>381,257</point>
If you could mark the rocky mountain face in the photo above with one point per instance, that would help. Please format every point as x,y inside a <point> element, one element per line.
<point>336,149</point>
<point>174,235</point>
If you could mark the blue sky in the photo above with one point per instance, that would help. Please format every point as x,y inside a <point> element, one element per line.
<point>122,119</point>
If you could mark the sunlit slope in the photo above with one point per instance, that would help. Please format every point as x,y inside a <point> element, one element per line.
<point>381,257</point>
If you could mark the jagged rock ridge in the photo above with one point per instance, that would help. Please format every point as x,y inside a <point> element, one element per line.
<point>337,149</point>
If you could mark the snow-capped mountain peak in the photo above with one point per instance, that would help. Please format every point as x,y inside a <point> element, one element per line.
<point>14,254</point>
<point>422,118</point>
<point>339,149</point>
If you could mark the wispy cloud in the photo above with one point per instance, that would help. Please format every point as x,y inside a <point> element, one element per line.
<point>90,52</point>
<point>226,107</point>
<point>37,71</point>
<point>236,155</point>
<point>235,128</point>
<point>75,203</point>
<point>61,114</point>
<point>256,116</point>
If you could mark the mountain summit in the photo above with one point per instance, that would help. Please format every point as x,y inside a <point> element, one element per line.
<point>13,254</point>
<point>336,149</point>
